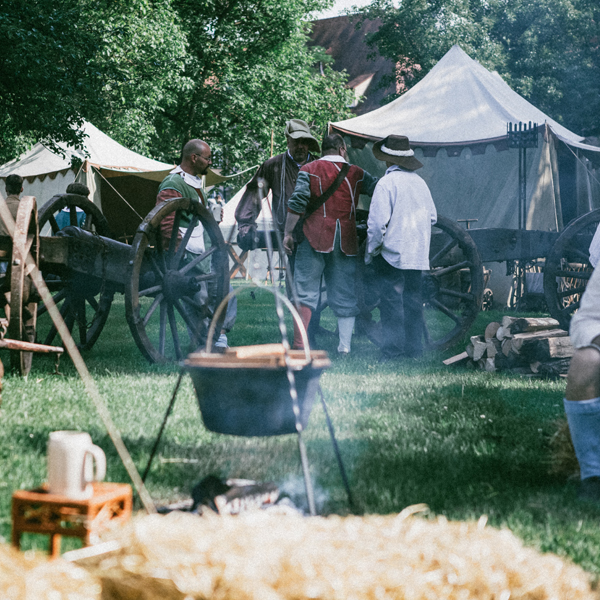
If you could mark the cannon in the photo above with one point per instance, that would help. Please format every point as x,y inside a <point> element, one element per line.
<point>169,294</point>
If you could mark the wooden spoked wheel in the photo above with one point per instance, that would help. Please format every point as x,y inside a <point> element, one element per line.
<point>453,287</point>
<point>22,314</point>
<point>172,293</point>
<point>83,302</point>
<point>568,268</point>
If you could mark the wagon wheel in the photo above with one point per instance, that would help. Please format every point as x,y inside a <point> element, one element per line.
<point>22,313</point>
<point>452,288</point>
<point>568,268</point>
<point>81,300</point>
<point>171,294</point>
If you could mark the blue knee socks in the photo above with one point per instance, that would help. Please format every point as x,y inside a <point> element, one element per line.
<point>584,423</point>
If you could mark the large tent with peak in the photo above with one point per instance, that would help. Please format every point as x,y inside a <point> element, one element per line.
<point>456,119</point>
<point>123,183</point>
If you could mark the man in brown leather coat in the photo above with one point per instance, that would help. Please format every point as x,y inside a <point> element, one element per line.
<point>280,173</point>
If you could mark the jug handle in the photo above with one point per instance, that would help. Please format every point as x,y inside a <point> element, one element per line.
<point>100,462</point>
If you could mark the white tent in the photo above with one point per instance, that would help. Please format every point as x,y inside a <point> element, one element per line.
<point>264,221</point>
<point>123,183</point>
<point>456,119</point>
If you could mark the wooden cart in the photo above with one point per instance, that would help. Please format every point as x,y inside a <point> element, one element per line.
<point>454,286</point>
<point>169,293</point>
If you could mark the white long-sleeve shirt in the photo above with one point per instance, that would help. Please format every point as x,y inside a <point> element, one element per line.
<point>400,219</point>
<point>585,324</point>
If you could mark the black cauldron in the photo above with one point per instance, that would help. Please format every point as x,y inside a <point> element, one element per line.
<point>250,395</point>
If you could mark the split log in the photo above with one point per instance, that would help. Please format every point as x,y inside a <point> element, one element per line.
<point>524,325</point>
<point>503,333</point>
<point>469,350</point>
<point>543,350</point>
<point>555,368</point>
<point>479,347</point>
<point>525,339</point>
<point>507,322</point>
<point>456,360</point>
<point>490,365</point>
<point>492,349</point>
<point>506,346</point>
<point>490,331</point>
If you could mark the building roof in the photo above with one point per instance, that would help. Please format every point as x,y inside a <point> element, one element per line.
<point>365,67</point>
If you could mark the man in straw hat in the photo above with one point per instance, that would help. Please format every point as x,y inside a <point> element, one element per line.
<point>326,194</point>
<point>399,232</point>
<point>280,173</point>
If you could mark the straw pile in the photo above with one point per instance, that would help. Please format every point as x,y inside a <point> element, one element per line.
<point>563,461</point>
<point>30,576</point>
<point>259,556</point>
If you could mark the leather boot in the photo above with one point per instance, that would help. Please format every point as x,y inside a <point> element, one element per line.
<point>305,315</point>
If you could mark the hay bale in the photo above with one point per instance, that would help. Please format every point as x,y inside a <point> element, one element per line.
<point>563,461</point>
<point>258,556</point>
<point>31,576</point>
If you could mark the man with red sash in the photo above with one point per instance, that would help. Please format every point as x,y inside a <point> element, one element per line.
<point>326,194</point>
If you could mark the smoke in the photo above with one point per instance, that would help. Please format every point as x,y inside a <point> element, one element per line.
<point>293,488</point>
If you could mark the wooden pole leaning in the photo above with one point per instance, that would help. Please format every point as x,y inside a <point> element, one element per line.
<point>89,383</point>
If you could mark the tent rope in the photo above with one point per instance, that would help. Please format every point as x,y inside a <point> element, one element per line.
<point>591,174</point>
<point>118,194</point>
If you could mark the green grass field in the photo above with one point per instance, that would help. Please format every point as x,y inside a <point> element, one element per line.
<point>465,443</point>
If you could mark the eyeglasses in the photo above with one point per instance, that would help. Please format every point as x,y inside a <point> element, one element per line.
<point>206,158</point>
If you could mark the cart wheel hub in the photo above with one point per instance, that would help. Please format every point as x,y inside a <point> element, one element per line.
<point>176,285</point>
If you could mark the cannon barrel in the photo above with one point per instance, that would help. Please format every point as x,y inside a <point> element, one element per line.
<point>83,252</point>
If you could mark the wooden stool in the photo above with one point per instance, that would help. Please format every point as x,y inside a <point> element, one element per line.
<point>37,511</point>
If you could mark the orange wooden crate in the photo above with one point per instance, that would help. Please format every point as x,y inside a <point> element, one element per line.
<point>37,511</point>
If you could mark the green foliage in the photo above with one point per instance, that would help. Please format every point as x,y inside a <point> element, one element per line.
<point>66,60</point>
<point>548,50</point>
<point>250,70</point>
<point>466,443</point>
<point>155,73</point>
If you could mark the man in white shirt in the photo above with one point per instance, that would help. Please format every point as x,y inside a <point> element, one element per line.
<point>582,396</point>
<point>398,237</point>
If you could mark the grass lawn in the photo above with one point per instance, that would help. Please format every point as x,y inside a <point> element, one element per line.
<point>465,443</point>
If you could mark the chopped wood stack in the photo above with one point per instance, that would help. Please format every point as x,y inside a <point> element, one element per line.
<point>527,346</point>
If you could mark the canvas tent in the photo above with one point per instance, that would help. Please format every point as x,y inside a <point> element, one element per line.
<point>456,119</point>
<point>123,183</point>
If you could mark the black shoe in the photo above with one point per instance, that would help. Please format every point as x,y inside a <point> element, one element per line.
<point>589,489</point>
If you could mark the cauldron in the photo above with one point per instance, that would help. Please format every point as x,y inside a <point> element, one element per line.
<point>246,390</point>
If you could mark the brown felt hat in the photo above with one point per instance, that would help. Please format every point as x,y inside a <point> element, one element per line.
<point>297,128</point>
<point>396,149</point>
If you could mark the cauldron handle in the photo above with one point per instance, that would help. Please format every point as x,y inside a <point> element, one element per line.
<point>284,299</point>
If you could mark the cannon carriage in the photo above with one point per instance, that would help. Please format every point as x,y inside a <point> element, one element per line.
<point>169,294</point>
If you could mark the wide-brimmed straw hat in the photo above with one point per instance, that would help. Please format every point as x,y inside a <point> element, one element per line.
<point>396,149</point>
<point>297,128</point>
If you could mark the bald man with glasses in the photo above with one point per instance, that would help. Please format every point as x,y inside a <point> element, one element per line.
<point>185,181</point>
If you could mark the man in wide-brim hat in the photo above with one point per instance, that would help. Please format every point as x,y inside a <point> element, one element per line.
<point>398,238</point>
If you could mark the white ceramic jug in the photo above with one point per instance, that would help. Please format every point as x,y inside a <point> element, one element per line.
<point>71,455</point>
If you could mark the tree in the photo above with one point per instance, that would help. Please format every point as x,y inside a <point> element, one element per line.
<point>250,70</point>
<point>548,50</point>
<point>66,60</point>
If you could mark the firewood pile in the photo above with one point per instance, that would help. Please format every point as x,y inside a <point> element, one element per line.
<point>524,346</point>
